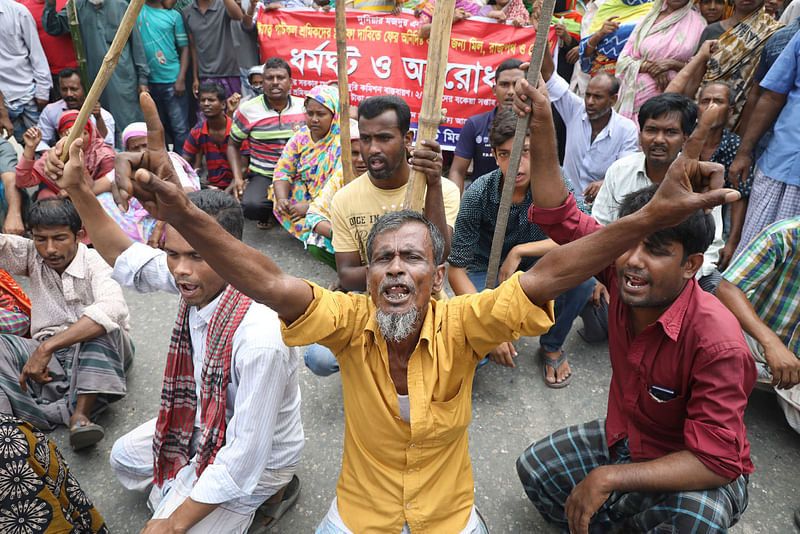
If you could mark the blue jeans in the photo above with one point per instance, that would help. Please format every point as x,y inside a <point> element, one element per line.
<point>568,306</point>
<point>173,112</point>
<point>23,117</point>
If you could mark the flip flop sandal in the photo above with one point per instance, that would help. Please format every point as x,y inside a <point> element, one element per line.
<point>555,364</point>
<point>275,510</point>
<point>85,434</point>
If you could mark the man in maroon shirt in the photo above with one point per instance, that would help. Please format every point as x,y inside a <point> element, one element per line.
<point>672,452</point>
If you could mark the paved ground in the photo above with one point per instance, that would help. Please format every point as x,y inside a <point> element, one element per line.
<point>511,408</point>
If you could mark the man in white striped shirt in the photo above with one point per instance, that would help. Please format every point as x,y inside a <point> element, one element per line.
<point>250,472</point>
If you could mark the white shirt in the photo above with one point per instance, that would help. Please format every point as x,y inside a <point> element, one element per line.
<point>263,429</point>
<point>25,74</point>
<point>628,175</point>
<point>586,161</point>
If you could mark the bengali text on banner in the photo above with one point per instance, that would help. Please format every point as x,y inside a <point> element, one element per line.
<point>386,56</point>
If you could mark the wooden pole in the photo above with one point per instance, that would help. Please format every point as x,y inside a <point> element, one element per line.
<point>344,91</point>
<point>431,111</point>
<point>538,52</point>
<point>77,44</point>
<point>106,70</point>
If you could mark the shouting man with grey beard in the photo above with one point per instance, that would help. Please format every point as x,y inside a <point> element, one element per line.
<point>407,389</point>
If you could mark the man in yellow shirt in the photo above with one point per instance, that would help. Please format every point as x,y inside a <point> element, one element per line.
<point>407,361</point>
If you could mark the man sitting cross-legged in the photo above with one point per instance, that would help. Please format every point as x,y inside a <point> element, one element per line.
<point>407,361</point>
<point>523,244</point>
<point>80,350</point>
<point>672,452</point>
<point>228,436</point>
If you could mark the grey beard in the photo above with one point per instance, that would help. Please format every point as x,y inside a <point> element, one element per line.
<point>397,327</point>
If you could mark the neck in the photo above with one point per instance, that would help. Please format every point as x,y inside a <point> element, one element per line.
<point>398,179</point>
<point>641,318</point>
<point>520,191</point>
<point>739,16</point>
<point>600,122</point>
<point>278,104</point>
<point>655,173</point>
<point>217,121</point>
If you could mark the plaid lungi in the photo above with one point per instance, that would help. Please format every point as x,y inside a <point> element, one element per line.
<point>770,201</point>
<point>551,467</point>
<point>94,366</point>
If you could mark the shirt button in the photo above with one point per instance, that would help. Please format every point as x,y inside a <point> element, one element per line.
<point>410,471</point>
<point>411,446</point>
<point>408,506</point>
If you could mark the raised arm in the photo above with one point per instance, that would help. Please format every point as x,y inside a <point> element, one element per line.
<point>688,79</point>
<point>151,178</point>
<point>568,265</point>
<point>108,238</point>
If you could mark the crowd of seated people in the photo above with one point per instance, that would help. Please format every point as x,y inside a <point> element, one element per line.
<point>646,100</point>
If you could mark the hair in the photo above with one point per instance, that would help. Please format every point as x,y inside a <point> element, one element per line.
<point>613,88</point>
<point>503,126</point>
<point>508,64</point>
<point>731,96</point>
<point>67,73</point>
<point>223,207</point>
<point>670,103</point>
<point>695,233</point>
<point>395,219</point>
<point>214,88</point>
<point>371,107</point>
<point>278,63</point>
<point>52,211</point>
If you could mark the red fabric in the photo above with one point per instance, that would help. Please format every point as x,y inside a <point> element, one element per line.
<point>695,349</point>
<point>13,295</point>
<point>179,402</point>
<point>59,50</point>
<point>98,156</point>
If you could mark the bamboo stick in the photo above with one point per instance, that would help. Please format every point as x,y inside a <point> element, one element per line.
<point>77,44</point>
<point>344,92</point>
<point>106,70</point>
<point>431,111</point>
<point>538,52</point>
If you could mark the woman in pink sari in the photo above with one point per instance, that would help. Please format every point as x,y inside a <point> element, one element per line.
<point>660,45</point>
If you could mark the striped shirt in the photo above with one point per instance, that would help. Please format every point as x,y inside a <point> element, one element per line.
<point>200,142</point>
<point>267,129</point>
<point>768,272</point>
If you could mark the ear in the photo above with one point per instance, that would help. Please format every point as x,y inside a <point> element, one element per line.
<point>614,99</point>
<point>438,278</point>
<point>409,139</point>
<point>692,265</point>
<point>80,235</point>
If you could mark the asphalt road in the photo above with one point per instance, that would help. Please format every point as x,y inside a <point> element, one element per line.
<point>510,409</point>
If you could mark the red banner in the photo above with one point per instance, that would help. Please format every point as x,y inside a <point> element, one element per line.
<point>387,56</point>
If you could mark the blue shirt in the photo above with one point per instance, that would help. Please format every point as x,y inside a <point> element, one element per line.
<point>781,159</point>
<point>473,143</point>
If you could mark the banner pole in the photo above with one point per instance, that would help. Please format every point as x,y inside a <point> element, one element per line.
<point>432,92</point>
<point>538,52</point>
<point>106,70</point>
<point>344,92</point>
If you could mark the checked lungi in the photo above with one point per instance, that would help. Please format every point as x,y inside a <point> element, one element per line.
<point>552,466</point>
<point>95,366</point>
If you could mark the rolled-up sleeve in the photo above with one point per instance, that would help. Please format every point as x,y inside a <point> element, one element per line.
<point>144,269</point>
<point>502,314</point>
<point>109,309</point>
<point>714,429</point>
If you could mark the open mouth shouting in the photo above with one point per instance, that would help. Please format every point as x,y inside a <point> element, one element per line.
<point>397,291</point>
<point>188,290</point>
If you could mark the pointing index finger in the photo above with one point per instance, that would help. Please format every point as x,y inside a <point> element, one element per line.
<point>694,145</point>
<point>155,131</point>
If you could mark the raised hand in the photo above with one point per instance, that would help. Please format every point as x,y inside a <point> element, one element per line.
<point>610,25</point>
<point>427,159</point>
<point>691,184</point>
<point>135,171</point>
<point>32,136</point>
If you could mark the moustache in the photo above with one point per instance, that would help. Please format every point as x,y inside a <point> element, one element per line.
<point>397,281</point>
